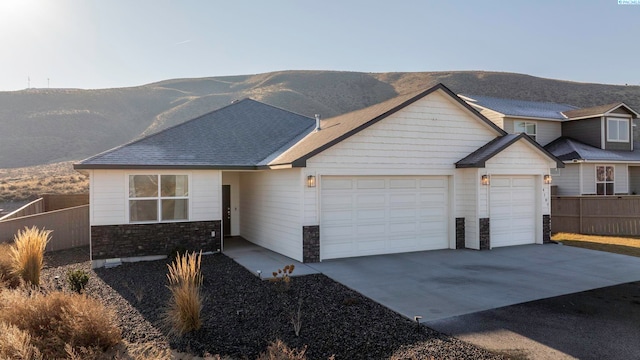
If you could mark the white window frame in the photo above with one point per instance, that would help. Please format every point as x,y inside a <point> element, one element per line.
<point>534,136</point>
<point>605,182</point>
<point>617,121</point>
<point>158,198</point>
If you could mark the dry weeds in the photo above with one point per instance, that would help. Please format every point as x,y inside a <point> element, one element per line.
<point>185,305</point>
<point>27,253</point>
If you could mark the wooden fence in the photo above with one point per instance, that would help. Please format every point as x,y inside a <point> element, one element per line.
<point>34,207</point>
<point>596,215</point>
<point>54,202</point>
<point>70,227</point>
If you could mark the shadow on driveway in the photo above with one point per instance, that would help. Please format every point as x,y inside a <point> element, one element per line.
<point>597,324</point>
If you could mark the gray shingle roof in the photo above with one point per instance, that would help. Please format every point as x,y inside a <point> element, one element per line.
<point>567,149</point>
<point>478,158</point>
<point>239,135</point>
<point>511,107</point>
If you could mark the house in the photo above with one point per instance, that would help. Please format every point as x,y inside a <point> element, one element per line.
<point>421,171</point>
<point>596,144</point>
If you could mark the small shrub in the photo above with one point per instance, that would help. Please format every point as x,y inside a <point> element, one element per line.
<point>77,280</point>
<point>296,319</point>
<point>185,305</point>
<point>282,277</point>
<point>57,319</point>
<point>278,350</point>
<point>27,253</point>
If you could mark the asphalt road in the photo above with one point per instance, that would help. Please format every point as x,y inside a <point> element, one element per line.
<point>597,324</point>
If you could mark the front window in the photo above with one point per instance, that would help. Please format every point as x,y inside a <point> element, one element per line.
<point>604,180</point>
<point>158,198</point>
<point>526,127</point>
<point>617,130</point>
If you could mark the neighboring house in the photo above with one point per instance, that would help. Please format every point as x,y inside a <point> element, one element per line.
<point>596,144</point>
<point>418,172</point>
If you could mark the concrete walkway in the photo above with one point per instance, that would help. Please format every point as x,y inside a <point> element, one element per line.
<point>255,258</point>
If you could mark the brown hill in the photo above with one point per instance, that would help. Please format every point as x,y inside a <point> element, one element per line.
<point>41,126</point>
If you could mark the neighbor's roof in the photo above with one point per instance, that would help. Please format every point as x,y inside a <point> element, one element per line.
<point>512,107</point>
<point>568,149</point>
<point>478,158</point>
<point>598,111</point>
<point>239,135</point>
<point>341,127</point>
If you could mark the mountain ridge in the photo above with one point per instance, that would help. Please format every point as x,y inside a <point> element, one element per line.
<point>43,126</point>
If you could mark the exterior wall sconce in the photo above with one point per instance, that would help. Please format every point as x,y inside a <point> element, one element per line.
<point>547,179</point>
<point>484,179</point>
<point>311,181</point>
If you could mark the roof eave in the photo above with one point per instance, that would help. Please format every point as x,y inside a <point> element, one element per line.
<point>161,167</point>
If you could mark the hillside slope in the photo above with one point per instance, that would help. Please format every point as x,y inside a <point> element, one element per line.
<point>41,126</point>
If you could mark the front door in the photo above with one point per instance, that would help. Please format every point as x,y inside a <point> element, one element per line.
<point>226,210</point>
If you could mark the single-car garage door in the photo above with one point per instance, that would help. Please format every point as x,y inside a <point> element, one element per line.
<point>512,211</point>
<point>366,215</point>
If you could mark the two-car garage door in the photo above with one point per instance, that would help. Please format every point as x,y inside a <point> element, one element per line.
<point>367,215</point>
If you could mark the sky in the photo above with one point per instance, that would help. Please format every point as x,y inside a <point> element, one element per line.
<point>92,44</point>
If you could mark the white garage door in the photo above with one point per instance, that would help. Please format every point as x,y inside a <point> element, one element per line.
<point>513,210</point>
<point>366,215</point>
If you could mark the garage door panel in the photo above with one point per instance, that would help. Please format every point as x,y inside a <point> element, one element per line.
<point>512,210</point>
<point>386,215</point>
<point>370,200</point>
<point>370,183</point>
<point>402,183</point>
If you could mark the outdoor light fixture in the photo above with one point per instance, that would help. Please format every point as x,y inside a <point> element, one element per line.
<point>259,274</point>
<point>547,179</point>
<point>484,180</point>
<point>311,181</point>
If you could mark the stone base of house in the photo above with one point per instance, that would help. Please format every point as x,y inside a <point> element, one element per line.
<point>153,240</point>
<point>460,231</point>
<point>485,234</point>
<point>546,229</point>
<point>311,244</point>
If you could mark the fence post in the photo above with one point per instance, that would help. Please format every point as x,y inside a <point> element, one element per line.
<point>580,215</point>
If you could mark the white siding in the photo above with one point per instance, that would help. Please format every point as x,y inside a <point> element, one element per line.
<point>271,203</point>
<point>567,180</point>
<point>466,204</point>
<point>495,117</point>
<point>425,138</point>
<point>621,179</point>
<point>205,195</point>
<point>588,174</point>
<point>109,195</point>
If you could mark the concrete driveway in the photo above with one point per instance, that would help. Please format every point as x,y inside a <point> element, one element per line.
<point>446,283</point>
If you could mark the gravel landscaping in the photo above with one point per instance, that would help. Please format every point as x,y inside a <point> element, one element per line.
<point>242,314</point>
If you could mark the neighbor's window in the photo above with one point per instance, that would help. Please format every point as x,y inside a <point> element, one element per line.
<point>604,180</point>
<point>526,127</point>
<point>617,130</point>
<point>163,197</point>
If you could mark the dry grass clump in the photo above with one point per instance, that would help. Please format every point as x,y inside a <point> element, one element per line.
<point>52,322</point>
<point>278,350</point>
<point>185,279</point>
<point>8,278</point>
<point>16,344</point>
<point>27,253</point>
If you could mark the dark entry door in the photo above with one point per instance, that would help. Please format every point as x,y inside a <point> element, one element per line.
<point>226,210</point>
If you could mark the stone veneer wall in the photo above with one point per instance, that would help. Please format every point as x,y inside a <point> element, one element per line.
<point>546,229</point>
<point>485,235</point>
<point>460,233</point>
<point>135,240</point>
<point>311,244</point>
